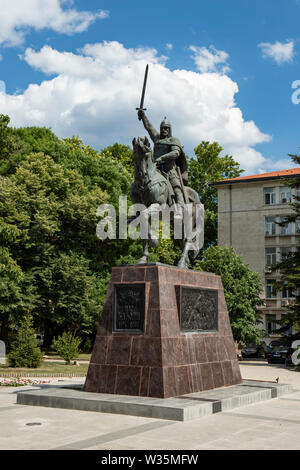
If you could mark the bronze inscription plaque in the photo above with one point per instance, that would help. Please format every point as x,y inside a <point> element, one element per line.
<point>198,309</point>
<point>129,307</point>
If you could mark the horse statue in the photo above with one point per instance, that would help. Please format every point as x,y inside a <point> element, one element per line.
<point>151,189</point>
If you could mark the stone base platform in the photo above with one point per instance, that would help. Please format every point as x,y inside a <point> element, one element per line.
<point>163,332</point>
<point>180,408</point>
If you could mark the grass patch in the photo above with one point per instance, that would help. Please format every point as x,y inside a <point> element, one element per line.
<point>46,368</point>
<point>54,355</point>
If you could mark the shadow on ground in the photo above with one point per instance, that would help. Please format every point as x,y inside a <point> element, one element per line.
<point>265,363</point>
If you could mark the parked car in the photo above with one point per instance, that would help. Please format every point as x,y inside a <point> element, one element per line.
<point>275,343</point>
<point>253,350</point>
<point>279,354</point>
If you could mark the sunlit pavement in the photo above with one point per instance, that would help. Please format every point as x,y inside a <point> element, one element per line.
<point>261,370</point>
<point>273,424</point>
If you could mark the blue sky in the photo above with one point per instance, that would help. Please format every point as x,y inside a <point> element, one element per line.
<point>219,71</point>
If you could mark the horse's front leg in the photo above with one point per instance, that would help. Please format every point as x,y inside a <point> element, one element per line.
<point>145,256</point>
<point>184,261</point>
<point>153,227</point>
<point>144,233</point>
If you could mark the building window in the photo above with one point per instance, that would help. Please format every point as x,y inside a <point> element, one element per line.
<point>270,256</point>
<point>286,229</point>
<point>287,293</point>
<point>285,195</point>
<point>285,251</point>
<point>270,195</point>
<point>297,226</point>
<point>289,332</point>
<point>271,324</point>
<point>270,226</point>
<point>298,194</point>
<point>271,290</point>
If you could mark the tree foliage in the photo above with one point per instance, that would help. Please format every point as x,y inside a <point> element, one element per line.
<point>17,294</point>
<point>122,154</point>
<point>67,346</point>
<point>10,146</point>
<point>242,288</point>
<point>52,264</point>
<point>25,352</point>
<point>289,267</point>
<point>208,166</point>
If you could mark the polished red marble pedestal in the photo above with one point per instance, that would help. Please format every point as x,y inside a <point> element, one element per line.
<point>162,361</point>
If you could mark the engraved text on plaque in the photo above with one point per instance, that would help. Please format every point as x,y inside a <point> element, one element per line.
<point>129,307</point>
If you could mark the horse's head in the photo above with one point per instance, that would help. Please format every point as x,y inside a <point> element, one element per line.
<point>141,146</point>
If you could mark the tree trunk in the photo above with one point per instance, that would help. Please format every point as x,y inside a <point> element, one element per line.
<point>4,331</point>
<point>48,337</point>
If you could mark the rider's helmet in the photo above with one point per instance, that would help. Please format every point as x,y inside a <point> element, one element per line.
<point>166,123</point>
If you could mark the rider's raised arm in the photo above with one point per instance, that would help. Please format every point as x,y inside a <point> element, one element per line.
<point>154,134</point>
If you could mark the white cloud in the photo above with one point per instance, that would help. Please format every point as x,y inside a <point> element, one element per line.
<point>94,94</point>
<point>169,46</point>
<point>210,60</point>
<point>276,165</point>
<point>2,87</point>
<point>19,16</point>
<point>278,51</point>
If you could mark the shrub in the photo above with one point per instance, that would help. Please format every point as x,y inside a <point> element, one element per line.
<point>24,350</point>
<point>87,346</point>
<point>67,346</point>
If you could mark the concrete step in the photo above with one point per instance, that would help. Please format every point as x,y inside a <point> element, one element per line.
<point>181,408</point>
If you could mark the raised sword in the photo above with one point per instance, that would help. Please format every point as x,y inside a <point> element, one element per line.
<point>141,108</point>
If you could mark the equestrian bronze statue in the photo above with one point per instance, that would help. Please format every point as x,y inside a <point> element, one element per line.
<point>161,179</point>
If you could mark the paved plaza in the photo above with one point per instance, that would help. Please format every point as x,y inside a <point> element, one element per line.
<point>272,424</point>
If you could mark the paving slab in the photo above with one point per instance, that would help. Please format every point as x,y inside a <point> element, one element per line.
<point>180,408</point>
<point>266,425</point>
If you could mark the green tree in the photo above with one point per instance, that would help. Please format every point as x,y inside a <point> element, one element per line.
<point>11,277</point>
<point>49,193</point>
<point>242,288</point>
<point>67,346</point>
<point>68,294</point>
<point>109,169</point>
<point>17,294</point>
<point>55,243</point>
<point>122,154</point>
<point>208,166</point>
<point>289,267</point>
<point>99,169</point>
<point>25,352</point>
<point>40,140</point>
<point>10,146</point>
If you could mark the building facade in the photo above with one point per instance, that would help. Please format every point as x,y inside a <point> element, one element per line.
<point>248,209</point>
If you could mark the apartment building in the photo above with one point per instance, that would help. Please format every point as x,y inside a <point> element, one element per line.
<point>248,209</point>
